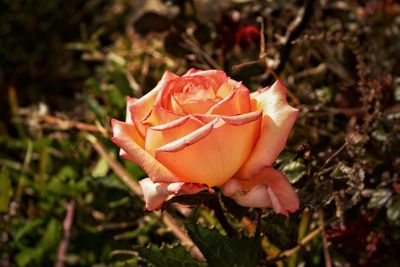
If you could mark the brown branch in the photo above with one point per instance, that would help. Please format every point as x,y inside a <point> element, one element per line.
<point>117,167</point>
<point>185,240</point>
<point>300,245</point>
<point>192,45</point>
<point>334,155</point>
<point>67,225</point>
<point>293,31</point>
<point>66,124</point>
<point>327,256</point>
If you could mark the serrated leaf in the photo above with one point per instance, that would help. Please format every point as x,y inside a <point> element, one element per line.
<point>221,251</point>
<point>166,256</point>
<point>380,198</point>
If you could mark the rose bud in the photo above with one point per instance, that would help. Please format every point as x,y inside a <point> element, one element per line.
<point>203,129</point>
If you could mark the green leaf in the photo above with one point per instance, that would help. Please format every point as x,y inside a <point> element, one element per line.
<point>26,256</point>
<point>29,225</point>
<point>166,256</point>
<point>281,231</point>
<point>101,168</point>
<point>5,191</point>
<point>393,211</point>
<point>45,247</point>
<point>380,198</point>
<point>223,251</point>
<point>294,170</point>
<point>51,237</point>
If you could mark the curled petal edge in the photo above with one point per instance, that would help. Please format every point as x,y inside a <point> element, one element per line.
<point>155,194</point>
<point>267,189</point>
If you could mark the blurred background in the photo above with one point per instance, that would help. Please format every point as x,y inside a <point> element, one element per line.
<point>66,68</point>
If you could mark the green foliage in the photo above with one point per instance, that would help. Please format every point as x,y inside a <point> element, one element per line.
<point>46,246</point>
<point>167,256</point>
<point>380,198</point>
<point>5,191</point>
<point>281,231</point>
<point>393,211</point>
<point>221,250</point>
<point>294,168</point>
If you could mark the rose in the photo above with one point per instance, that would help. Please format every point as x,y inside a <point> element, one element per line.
<point>203,129</point>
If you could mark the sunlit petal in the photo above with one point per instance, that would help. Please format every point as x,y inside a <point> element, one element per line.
<point>160,135</point>
<point>278,119</point>
<point>124,136</point>
<point>214,152</point>
<point>141,108</point>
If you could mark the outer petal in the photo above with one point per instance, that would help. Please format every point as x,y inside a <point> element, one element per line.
<point>160,135</point>
<point>129,102</point>
<point>278,120</point>
<point>268,188</point>
<point>133,132</point>
<point>155,194</point>
<point>213,153</point>
<point>142,107</point>
<point>124,137</point>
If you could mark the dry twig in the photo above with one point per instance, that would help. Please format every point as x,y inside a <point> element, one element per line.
<point>67,225</point>
<point>327,256</point>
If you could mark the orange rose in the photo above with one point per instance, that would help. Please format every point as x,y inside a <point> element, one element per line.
<point>204,129</point>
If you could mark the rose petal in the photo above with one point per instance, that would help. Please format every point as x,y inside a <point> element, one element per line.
<point>125,137</point>
<point>191,86</point>
<point>234,103</point>
<point>198,106</point>
<point>134,133</point>
<point>160,135</point>
<point>214,152</point>
<point>155,194</point>
<point>141,108</point>
<point>268,188</point>
<point>278,119</point>
<point>218,76</point>
<point>159,116</point>
<point>129,102</point>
